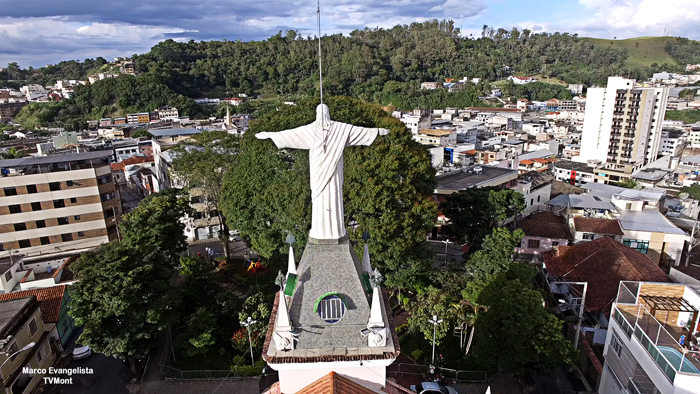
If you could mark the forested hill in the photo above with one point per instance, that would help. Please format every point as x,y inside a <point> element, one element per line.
<point>361,63</point>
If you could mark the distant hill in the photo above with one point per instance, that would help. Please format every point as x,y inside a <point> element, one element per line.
<point>643,51</point>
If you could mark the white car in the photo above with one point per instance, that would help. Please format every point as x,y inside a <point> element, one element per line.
<point>432,388</point>
<point>81,351</point>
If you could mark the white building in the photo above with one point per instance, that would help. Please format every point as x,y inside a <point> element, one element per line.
<point>414,123</point>
<point>672,142</point>
<point>436,137</point>
<point>643,350</point>
<point>622,124</point>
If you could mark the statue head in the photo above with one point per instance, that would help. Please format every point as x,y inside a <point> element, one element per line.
<point>323,117</point>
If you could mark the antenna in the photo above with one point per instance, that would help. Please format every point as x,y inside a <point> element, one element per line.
<point>320,71</point>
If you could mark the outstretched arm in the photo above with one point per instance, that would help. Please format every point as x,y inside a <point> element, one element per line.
<point>298,138</point>
<point>364,135</point>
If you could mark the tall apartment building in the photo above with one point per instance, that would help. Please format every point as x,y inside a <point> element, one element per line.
<point>56,204</point>
<point>650,341</point>
<point>622,125</point>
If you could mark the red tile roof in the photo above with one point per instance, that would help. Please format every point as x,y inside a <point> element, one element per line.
<point>598,226</point>
<point>602,263</point>
<point>137,160</point>
<point>118,166</point>
<point>541,161</point>
<point>334,383</point>
<point>545,225</point>
<point>51,299</point>
<point>527,162</point>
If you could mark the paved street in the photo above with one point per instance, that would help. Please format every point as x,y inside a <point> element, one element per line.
<point>110,376</point>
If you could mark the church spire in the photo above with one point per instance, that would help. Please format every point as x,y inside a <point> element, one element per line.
<point>284,338</point>
<point>291,265</point>
<point>365,260</point>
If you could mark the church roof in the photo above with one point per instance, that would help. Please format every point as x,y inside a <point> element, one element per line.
<point>334,383</point>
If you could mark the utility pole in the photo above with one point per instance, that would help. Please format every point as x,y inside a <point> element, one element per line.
<point>581,307</point>
<point>692,243</point>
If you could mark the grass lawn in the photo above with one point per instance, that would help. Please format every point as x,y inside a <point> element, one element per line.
<point>643,51</point>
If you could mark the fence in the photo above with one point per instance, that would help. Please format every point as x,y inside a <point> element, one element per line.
<point>459,376</point>
<point>169,372</point>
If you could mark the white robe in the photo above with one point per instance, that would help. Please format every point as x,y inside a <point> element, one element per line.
<point>326,169</point>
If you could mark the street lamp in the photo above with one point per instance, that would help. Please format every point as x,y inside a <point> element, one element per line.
<point>581,307</point>
<point>29,346</point>
<point>247,325</point>
<point>435,322</point>
<point>447,241</point>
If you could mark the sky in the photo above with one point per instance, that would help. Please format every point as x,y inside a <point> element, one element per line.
<point>39,32</point>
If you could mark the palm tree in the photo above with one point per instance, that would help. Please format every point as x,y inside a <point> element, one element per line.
<point>12,153</point>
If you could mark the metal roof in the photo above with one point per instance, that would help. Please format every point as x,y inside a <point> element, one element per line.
<point>33,161</point>
<point>650,220</point>
<point>582,201</point>
<point>174,132</point>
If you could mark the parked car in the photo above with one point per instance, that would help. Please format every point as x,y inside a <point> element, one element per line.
<point>81,351</point>
<point>432,388</point>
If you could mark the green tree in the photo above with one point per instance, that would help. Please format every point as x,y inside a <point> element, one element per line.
<point>155,225</point>
<point>12,153</point>
<point>203,162</point>
<point>491,260</point>
<point>388,190</point>
<point>200,332</point>
<point>693,191</point>
<point>430,302</point>
<point>517,334</point>
<point>473,213</point>
<point>122,298</point>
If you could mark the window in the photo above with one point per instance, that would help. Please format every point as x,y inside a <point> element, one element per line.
<point>31,189</point>
<point>107,196</point>
<point>13,350</point>
<point>76,217</point>
<point>25,243</point>
<point>533,243</point>
<point>40,223</point>
<point>54,186</point>
<point>555,243</point>
<point>15,209</point>
<point>2,248</point>
<point>73,200</point>
<point>108,213</point>
<point>81,234</point>
<point>62,221</point>
<point>638,245</point>
<point>36,206</point>
<point>69,183</point>
<point>44,240</point>
<point>32,327</point>
<point>628,206</point>
<point>10,191</point>
<point>20,226</point>
<point>331,308</point>
<point>616,345</point>
<point>66,237</point>
<point>589,236</point>
<point>538,198</point>
<point>59,204</point>
<point>105,179</point>
<point>8,276</point>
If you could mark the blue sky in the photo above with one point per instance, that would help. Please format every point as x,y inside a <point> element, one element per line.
<point>38,32</point>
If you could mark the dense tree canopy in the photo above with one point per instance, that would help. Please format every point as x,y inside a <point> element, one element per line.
<point>388,188</point>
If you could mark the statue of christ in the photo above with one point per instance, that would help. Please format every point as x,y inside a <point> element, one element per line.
<point>326,140</point>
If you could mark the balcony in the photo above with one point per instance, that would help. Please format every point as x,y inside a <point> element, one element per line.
<point>646,318</point>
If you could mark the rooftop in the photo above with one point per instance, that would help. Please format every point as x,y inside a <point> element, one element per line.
<point>603,263</point>
<point>597,226</point>
<point>538,154</point>
<point>545,224</point>
<point>648,219</point>
<point>572,165</point>
<point>174,132</point>
<point>63,158</point>
<point>582,201</point>
<point>494,109</point>
<point>468,178</point>
<point>51,299</point>
<point>9,310</point>
<point>334,383</point>
<point>436,132</point>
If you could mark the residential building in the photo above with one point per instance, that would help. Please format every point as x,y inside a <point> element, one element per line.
<point>118,121</point>
<point>587,229</point>
<point>56,204</point>
<point>141,117</point>
<point>19,273</point>
<point>622,125</point>
<point>172,136</point>
<point>648,347</point>
<point>33,92</point>
<point>672,142</point>
<point>536,188</point>
<point>521,80</point>
<point>574,173</point>
<point>66,138</point>
<point>576,89</point>
<point>429,85</point>
<point>414,123</point>
<point>54,302</point>
<point>543,231</point>
<point>436,137</point>
<point>167,113</point>
<point>22,325</point>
